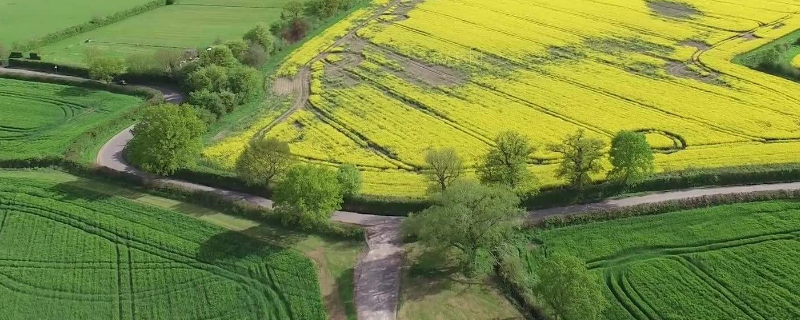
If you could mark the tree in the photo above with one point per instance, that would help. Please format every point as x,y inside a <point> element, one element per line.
<point>350,180</point>
<point>238,48</point>
<point>141,63</point>
<point>631,157</point>
<point>506,163</point>
<point>292,10</point>
<point>213,78</point>
<point>263,160</point>
<point>168,60</point>
<point>308,195</point>
<point>167,139</point>
<point>324,8</point>
<point>445,167</point>
<point>218,103</point>
<point>568,290</point>
<point>255,56</point>
<point>581,158</point>
<point>472,219</point>
<point>101,67</point>
<point>261,35</point>
<point>245,82</point>
<point>295,30</point>
<point>218,55</point>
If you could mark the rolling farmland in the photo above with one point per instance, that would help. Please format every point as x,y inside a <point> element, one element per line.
<point>25,20</point>
<point>455,73</point>
<point>728,262</point>
<point>69,253</point>
<point>185,25</point>
<point>41,119</point>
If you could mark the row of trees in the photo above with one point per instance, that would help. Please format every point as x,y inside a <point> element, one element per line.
<point>476,223</point>
<point>168,138</point>
<point>506,163</point>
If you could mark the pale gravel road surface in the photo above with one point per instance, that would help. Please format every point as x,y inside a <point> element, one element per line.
<point>660,197</point>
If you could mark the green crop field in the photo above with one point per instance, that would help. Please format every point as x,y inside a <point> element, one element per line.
<point>69,253</point>
<point>32,19</point>
<point>729,262</point>
<point>41,119</point>
<point>186,25</point>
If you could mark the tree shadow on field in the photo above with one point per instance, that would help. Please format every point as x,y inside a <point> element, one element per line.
<point>73,92</point>
<point>80,189</point>
<point>234,246</point>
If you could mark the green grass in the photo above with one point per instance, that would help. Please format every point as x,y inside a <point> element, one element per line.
<point>335,259</point>
<point>729,262</point>
<point>40,119</point>
<point>777,56</point>
<point>180,26</point>
<point>70,253</point>
<point>32,19</point>
<point>444,295</point>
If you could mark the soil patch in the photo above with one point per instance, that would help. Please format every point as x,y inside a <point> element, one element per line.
<point>749,36</point>
<point>682,70</point>
<point>699,45</point>
<point>677,10</point>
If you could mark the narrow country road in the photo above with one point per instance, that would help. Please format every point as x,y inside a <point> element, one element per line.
<point>658,198</point>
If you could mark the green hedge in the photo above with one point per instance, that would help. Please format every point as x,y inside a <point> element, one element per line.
<point>664,207</point>
<point>153,96</point>
<point>90,25</point>
<point>81,72</point>
<point>743,175</point>
<point>202,198</point>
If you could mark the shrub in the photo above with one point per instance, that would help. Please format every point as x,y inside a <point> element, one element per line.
<point>350,180</point>
<point>167,138</point>
<point>261,35</point>
<point>308,195</point>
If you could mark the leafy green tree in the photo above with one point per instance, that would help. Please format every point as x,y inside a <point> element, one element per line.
<point>568,290</point>
<point>631,157</point>
<point>238,48</point>
<point>444,167</point>
<point>247,83</point>
<point>168,60</point>
<point>472,219</point>
<point>507,163</point>
<point>308,195</point>
<point>167,139</point>
<point>292,10</point>
<point>213,78</point>
<point>101,67</point>
<point>255,56</point>
<point>581,157</point>
<point>218,103</point>
<point>263,161</point>
<point>141,63</point>
<point>350,180</point>
<point>261,35</point>
<point>218,55</point>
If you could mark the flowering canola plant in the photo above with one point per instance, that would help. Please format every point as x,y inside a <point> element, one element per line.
<point>456,73</point>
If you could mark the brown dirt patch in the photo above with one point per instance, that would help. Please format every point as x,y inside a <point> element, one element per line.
<point>682,70</point>
<point>676,10</point>
<point>699,45</point>
<point>285,86</point>
<point>333,302</point>
<point>748,36</point>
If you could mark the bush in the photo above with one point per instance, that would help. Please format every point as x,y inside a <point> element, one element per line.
<point>261,35</point>
<point>255,56</point>
<point>308,195</point>
<point>350,180</point>
<point>167,138</point>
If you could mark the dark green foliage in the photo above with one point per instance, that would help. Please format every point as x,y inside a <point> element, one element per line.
<point>218,55</point>
<point>506,163</point>
<point>581,157</point>
<point>261,35</point>
<point>167,139</point>
<point>472,219</point>
<point>350,180</point>
<point>308,195</point>
<point>568,290</point>
<point>264,161</point>
<point>631,157</point>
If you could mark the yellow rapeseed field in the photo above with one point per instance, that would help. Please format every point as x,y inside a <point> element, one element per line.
<point>456,73</point>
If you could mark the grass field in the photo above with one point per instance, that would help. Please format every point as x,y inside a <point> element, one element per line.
<point>457,72</point>
<point>41,119</point>
<point>70,253</point>
<point>188,24</point>
<point>737,261</point>
<point>26,20</point>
